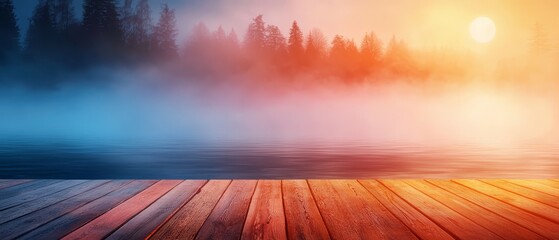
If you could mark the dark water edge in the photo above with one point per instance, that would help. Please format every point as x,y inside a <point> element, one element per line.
<point>29,159</point>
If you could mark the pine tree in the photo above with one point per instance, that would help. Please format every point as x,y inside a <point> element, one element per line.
<point>232,39</point>
<point>64,15</point>
<point>371,49</point>
<point>219,35</point>
<point>255,36</point>
<point>338,49</point>
<point>127,19</point>
<point>165,34</point>
<point>295,42</point>
<point>102,35</point>
<point>274,41</point>
<point>315,46</point>
<point>9,32</point>
<point>139,39</point>
<point>41,38</point>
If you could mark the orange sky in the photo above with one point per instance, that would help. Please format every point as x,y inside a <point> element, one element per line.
<point>423,23</point>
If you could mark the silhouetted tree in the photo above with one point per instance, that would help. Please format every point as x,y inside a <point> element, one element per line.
<point>164,35</point>
<point>256,34</point>
<point>9,32</point>
<point>127,19</point>
<point>397,57</point>
<point>41,38</point>
<point>315,46</point>
<point>103,35</point>
<point>233,39</point>
<point>371,50</point>
<point>139,40</point>
<point>295,42</point>
<point>337,52</point>
<point>274,40</point>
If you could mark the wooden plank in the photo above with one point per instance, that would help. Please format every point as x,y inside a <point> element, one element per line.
<point>537,224</point>
<point>339,199</point>
<point>186,222</point>
<point>422,226</point>
<point>11,183</point>
<point>141,225</point>
<point>40,203</point>
<point>26,223</point>
<point>526,192</point>
<point>481,216</point>
<point>65,224</point>
<point>227,218</point>
<point>547,182</point>
<point>454,223</point>
<point>37,193</point>
<point>24,187</point>
<point>527,204</point>
<point>303,218</point>
<point>265,218</point>
<point>105,224</point>
<point>534,185</point>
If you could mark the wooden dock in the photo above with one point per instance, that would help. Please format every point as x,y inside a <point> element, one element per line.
<point>279,209</point>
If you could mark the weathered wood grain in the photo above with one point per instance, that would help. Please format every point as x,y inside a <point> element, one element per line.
<point>141,225</point>
<point>26,223</point>
<point>482,216</point>
<point>280,209</point>
<point>227,218</point>
<point>536,186</point>
<point>516,200</point>
<point>422,226</point>
<point>103,225</point>
<point>453,222</point>
<point>24,187</point>
<point>67,223</point>
<point>539,196</point>
<point>186,222</point>
<point>302,215</point>
<point>538,224</point>
<point>338,201</point>
<point>9,183</point>
<point>265,218</point>
<point>40,203</point>
<point>37,193</point>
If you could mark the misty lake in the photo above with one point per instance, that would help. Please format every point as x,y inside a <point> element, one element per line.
<point>201,160</point>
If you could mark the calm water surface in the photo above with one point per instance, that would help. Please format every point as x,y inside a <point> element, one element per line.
<point>193,160</point>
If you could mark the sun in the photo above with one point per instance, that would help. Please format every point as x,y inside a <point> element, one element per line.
<point>482,29</point>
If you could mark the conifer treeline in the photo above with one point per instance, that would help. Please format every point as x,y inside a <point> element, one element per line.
<point>126,34</point>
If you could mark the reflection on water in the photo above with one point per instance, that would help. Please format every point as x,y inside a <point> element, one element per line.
<point>191,160</point>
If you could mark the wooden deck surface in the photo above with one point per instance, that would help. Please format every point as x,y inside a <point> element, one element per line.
<point>279,209</point>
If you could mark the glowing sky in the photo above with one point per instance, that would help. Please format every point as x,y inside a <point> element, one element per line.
<point>423,23</point>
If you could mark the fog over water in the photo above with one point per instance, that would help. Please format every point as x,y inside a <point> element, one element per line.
<point>148,125</point>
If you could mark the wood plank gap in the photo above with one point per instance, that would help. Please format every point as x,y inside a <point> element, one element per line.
<point>457,224</point>
<point>105,224</point>
<point>527,204</point>
<point>38,193</point>
<point>29,222</point>
<point>45,202</point>
<point>416,221</point>
<point>536,223</point>
<point>11,183</point>
<point>525,192</point>
<point>319,211</point>
<point>535,186</point>
<point>228,216</point>
<point>164,222</point>
<point>483,217</point>
<point>145,222</point>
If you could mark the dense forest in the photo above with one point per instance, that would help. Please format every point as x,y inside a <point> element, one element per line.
<point>111,34</point>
